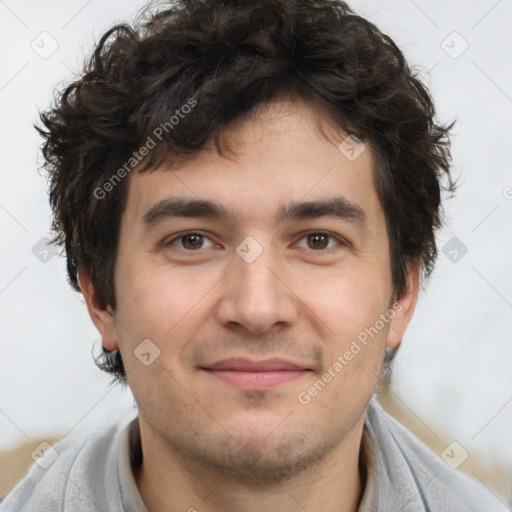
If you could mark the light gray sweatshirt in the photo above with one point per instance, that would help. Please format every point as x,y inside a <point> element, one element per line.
<point>93,473</point>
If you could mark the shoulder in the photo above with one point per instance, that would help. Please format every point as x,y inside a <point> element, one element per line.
<point>79,472</point>
<point>412,476</point>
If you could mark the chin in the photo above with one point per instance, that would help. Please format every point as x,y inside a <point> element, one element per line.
<point>262,456</point>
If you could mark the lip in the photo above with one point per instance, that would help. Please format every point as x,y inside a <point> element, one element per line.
<point>248,365</point>
<point>253,375</point>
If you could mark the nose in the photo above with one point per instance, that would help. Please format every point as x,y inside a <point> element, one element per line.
<point>256,297</point>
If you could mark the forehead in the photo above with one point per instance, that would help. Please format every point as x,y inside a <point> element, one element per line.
<point>285,152</point>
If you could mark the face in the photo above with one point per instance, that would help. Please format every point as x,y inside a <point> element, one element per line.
<point>267,319</point>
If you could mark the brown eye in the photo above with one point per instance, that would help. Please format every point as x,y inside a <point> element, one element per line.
<point>193,241</point>
<point>189,241</point>
<point>318,241</point>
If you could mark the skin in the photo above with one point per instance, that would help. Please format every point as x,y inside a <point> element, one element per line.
<point>209,445</point>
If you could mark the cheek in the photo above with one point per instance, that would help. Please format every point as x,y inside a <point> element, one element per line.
<point>348,299</point>
<point>155,299</point>
<point>349,307</point>
<point>355,348</point>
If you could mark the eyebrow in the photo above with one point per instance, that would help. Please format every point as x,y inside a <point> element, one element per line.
<point>337,207</point>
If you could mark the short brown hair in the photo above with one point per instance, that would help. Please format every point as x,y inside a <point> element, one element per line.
<point>229,58</point>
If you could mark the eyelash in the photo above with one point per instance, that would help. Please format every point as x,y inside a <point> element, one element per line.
<point>342,242</point>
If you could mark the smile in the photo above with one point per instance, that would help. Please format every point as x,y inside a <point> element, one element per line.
<point>253,380</point>
<point>248,374</point>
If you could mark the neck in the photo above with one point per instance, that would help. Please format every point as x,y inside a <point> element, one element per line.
<point>167,481</point>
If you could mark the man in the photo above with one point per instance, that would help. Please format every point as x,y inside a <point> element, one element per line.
<point>248,194</point>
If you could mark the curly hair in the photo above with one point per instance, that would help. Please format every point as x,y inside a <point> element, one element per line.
<point>186,69</point>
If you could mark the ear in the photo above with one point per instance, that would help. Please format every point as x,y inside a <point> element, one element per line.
<point>102,318</point>
<point>404,306</point>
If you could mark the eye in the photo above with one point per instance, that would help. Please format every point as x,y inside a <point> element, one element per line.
<point>191,241</point>
<point>319,241</point>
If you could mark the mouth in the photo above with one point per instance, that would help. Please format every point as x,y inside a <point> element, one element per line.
<point>254,375</point>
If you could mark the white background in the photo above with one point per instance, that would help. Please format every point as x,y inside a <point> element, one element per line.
<point>454,369</point>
